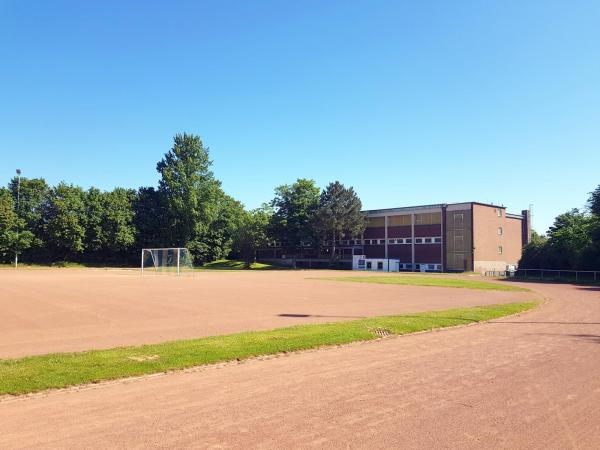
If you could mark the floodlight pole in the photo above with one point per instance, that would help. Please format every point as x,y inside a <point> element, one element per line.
<point>18,221</point>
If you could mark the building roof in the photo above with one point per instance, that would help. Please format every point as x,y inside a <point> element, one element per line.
<point>433,206</point>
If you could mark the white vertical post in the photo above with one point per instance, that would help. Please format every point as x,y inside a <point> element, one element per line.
<point>142,262</point>
<point>412,233</point>
<point>178,253</point>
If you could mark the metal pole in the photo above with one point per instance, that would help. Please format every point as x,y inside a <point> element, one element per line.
<point>18,221</point>
<point>142,262</point>
<point>178,253</point>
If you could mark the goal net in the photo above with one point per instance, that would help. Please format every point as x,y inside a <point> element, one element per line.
<point>173,260</point>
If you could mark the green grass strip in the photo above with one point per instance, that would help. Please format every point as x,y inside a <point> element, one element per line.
<point>430,281</point>
<point>59,370</point>
<point>227,264</point>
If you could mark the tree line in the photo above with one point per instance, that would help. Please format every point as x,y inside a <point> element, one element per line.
<point>571,243</point>
<point>189,208</point>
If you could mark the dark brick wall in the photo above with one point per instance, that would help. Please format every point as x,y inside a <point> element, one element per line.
<point>428,230</point>
<point>372,233</point>
<point>374,251</point>
<point>428,253</point>
<point>399,232</point>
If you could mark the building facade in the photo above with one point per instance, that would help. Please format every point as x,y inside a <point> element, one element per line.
<point>455,237</point>
<point>446,237</point>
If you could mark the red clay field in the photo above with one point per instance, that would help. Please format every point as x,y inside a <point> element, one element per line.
<point>59,310</point>
<point>525,381</point>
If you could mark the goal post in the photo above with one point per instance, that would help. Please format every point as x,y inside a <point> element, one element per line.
<point>171,260</point>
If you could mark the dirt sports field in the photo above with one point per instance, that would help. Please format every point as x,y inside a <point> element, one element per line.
<point>528,381</point>
<point>46,311</point>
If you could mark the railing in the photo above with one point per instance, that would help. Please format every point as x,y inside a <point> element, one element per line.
<point>576,276</point>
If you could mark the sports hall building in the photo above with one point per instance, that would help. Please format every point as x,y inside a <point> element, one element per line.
<point>453,237</point>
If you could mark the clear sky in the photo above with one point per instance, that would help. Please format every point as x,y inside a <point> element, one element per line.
<point>409,102</point>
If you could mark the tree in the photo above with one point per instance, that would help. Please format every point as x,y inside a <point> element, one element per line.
<point>190,192</point>
<point>594,202</point>
<point>535,252</point>
<point>252,233</point>
<point>339,214</point>
<point>13,237</point>
<point>592,255</point>
<point>567,246</point>
<point>94,214</point>
<point>150,218</point>
<point>117,221</point>
<point>64,216</point>
<point>32,194</point>
<point>217,239</point>
<point>295,207</point>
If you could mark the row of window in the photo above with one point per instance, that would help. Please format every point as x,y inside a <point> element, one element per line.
<point>397,241</point>
<point>394,241</point>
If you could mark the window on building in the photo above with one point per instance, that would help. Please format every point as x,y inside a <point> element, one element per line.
<point>459,220</point>
<point>376,222</point>
<point>459,243</point>
<point>437,240</point>
<point>391,241</point>
<point>499,249</point>
<point>418,240</point>
<point>379,265</point>
<point>499,212</point>
<point>428,240</point>
<point>399,241</point>
<point>369,265</point>
<point>399,221</point>
<point>408,241</point>
<point>382,241</point>
<point>499,231</point>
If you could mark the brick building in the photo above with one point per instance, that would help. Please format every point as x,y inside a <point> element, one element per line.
<point>461,237</point>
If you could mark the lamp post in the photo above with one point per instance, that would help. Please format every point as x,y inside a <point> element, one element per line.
<point>18,221</point>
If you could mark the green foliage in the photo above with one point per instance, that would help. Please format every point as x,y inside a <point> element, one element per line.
<point>59,370</point>
<point>594,202</point>
<point>252,233</point>
<point>190,191</point>
<point>339,214</point>
<point>188,209</point>
<point>64,215</point>
<point>14,238</point>
<point>572,244</point>
<point>295,208</point>
<point>227,264</point>
<point>438,281</point>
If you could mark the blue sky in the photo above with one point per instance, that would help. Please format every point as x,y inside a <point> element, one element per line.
<point>409,102</point>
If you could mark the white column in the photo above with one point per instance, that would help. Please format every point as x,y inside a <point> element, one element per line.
<point>412,233</point>
<point>386,236</point>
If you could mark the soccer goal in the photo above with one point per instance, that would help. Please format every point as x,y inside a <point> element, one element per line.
<point>173,260</point>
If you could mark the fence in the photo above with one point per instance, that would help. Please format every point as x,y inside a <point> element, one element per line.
<point>577,276</point>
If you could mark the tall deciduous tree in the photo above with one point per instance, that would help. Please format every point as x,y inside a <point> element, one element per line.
<point>32,193</point>
<point>64,217</point>
<point>190,191</point>
<point>295,208</point>
<point>253,233</point>
<point>339,214</point>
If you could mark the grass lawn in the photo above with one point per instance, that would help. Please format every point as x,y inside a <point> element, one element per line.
<point>37,373</point>
<point>439,281</point>
<point>226,264</point>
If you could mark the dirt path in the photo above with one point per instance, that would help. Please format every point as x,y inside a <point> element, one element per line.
<point>531,381</point>
<point>45,311</point>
